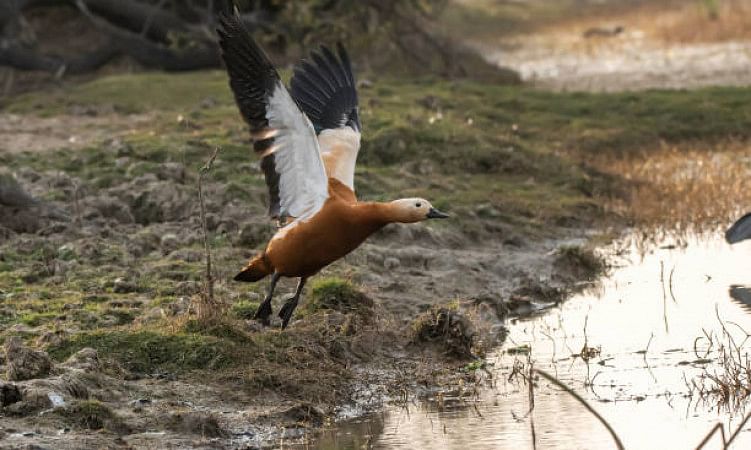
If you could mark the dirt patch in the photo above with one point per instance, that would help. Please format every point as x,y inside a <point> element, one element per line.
<point>26,133</point>
<point>129,275</point>
<point>625,62</point>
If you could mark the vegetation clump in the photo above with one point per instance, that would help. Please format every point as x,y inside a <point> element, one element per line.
<point>446,327</point>
<point>579,262</point>
<point>199,423</point>
<point>339,295</point>
<point>146,351</point>
<point>92,415</point>
<point>244,309</point>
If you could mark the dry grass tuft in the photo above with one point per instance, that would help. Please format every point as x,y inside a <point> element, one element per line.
<point>446,327</point>
<point>697,21</point>
<point>668,22</point>
<point>687,188</point>
<point>728,383</point>
<point>209,308</point>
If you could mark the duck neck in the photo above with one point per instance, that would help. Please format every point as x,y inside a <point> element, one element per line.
<point>376,214</point>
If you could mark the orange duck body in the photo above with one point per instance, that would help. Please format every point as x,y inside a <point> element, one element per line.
<point>302,249</point>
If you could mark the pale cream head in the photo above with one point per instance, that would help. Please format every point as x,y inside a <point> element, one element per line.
<point>410,210</point>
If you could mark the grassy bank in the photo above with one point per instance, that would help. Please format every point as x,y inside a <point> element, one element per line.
<point>503,160</point>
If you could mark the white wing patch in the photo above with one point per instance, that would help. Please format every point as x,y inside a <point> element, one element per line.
<point>303,184</point>
<point>339,148</point>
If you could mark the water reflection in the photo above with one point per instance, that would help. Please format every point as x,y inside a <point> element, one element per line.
<point>645,320</point>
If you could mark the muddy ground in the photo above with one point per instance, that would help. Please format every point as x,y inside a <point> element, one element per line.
<point>129,259</point>
<point>100,280</point>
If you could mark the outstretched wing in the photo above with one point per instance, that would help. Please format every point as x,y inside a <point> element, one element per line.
<point>282,134</point>
<point>324,87</point>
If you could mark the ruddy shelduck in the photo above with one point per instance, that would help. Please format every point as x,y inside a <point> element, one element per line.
<point>308,139</point>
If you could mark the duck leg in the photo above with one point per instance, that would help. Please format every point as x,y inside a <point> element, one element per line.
<point>286,312</point>
<point>264,309</point>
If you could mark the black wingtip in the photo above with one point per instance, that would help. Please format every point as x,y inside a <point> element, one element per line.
<point>253,79</point>
<point>324,87</point>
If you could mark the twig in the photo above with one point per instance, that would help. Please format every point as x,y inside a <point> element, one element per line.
<point>718,426</point>
<point>738,430</point>
<point>77,203</point>
<point>670,285</point>
<point>644,356</point>
<point>532,406</point>
<point>664,296</point>
<point>209,293</point>
<point>570,391</point>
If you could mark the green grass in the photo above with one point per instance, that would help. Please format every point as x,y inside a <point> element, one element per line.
<point>149,351</point>
<point>129,93</point>
<point>244,309</point>
<point>36,319</point>
<point>336,294</point>
<point>456,143</point>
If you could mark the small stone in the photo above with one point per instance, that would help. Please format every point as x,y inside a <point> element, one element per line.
<point>172,171</point>
<point>302,413</point>
<point>487,211</point>
<point>169,243</point>
<point>9,394</point>
<point>120,147</point>
<point>212,221</point>
<point>122,162</point>
<point>113,208</point>
<point>186,254</point>
<point>24,363</point>
<point>187,287</point>
<point>208,102</point>
<point>85,359</point>
<point>123,286</point>
<point>51,338</point>
<point>253,234</point>
<point>391,263</point>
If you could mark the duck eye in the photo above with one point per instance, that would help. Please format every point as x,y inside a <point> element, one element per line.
<point>418,204</point>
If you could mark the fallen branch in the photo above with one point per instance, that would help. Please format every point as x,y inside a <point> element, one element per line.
<point>152,54</point>
<point>581,400</point>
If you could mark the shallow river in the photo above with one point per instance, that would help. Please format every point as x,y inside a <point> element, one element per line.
<point>644,395</point>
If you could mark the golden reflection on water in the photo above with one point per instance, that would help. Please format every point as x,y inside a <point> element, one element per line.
<point>659,301</point>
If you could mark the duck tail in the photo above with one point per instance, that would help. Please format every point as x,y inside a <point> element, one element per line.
<point>257,269</point>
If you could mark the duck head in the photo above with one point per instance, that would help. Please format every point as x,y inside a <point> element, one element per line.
<point>411,210</point>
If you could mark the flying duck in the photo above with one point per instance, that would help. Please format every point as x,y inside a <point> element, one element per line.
<point>307,139</point>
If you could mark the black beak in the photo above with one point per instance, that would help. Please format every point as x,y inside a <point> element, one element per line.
<point>435,214</point>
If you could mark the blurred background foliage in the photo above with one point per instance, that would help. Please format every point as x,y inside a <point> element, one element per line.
<point>80,36</point>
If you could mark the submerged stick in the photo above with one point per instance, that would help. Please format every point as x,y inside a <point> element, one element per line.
<point>581,400</point>
<point>718,426</point>
<point>738,429</point>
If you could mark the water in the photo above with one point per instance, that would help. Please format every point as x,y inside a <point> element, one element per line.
<point>644,395</point>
